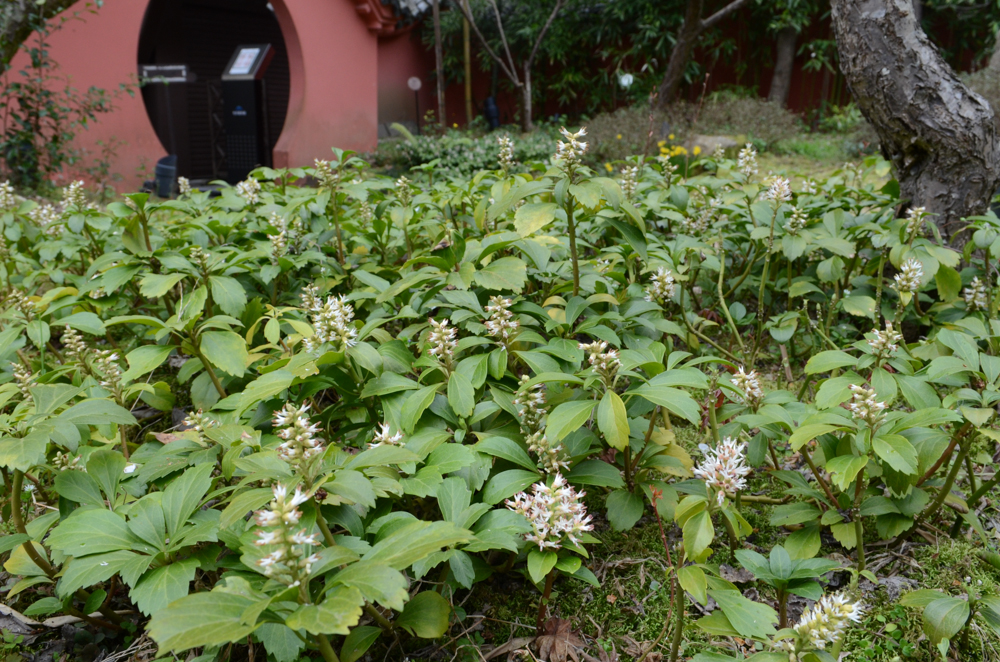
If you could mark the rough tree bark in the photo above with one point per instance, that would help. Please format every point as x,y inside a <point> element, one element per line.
<point>17,22</point>
<point>687,37</point>
<point>781,79</point>
<point>938,134</point>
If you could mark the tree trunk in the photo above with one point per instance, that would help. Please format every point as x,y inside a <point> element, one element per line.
<point>994,64</point>
<point>781,80</point>
<point>439,62</point>
<point>687,37</point>
<point>526,119</point>
<point>938,134</point>
<point>467,55</point>
<point>18,19</point>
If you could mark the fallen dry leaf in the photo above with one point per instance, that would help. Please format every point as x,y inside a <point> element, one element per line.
<point>558,641</point>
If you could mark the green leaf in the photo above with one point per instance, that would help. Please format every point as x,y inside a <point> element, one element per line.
<point>507,273</point>
<point>859,306</point>
<point>949,283</point>
<point>613,420</point>
<point>22,453</point>
<point>921,597</point>
<point>91,532</point>
<point>156,285</point>
<point>506,484</point>
<point>160,587</point>
<point>96,411</point>
<point>596,472</point>
<point>461,395</point>
<point>78,486</point>
<point>229,294</point>
<point>624,509</point>
<point>567,418</point>
<point>415,405</point>
<point>183,495</point>
<point>698,534</point>
<point>540,564</point>
<point>83,321</point>
<point>897,452</point>
<point>426,615</point>
<point>675,400</point>
<point>201,619</point>
<point>225,350</point>
<point>358,642</point>
<point>693,580</point>
<point>749,618</point>
<point>807,433</point>
<point>829,360</point>
<point>532,217</point>
<point>945,617</point>
<point>844,468</point>
<point>412,542</point>
<point>145,359</point>
<point>338,613</point>
<point>377,583</point>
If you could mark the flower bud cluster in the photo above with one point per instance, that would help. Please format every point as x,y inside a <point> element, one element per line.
<point>506,155</point>
<point>7,199</point>
<point>76,350</point>
<point>384,437</point>
<point>443,343</point>
<point>571,151</point>
<point>403,191</point>
<point>47,218</point>
<point>501,323</point>
<point>779,191</point>
<point>809,187</point>
<point>630,180</point>
<point>290,233</point>
<point>199,257</point>
<point>749,383</point>
<point>106,364</point>
<point>662,286</point>
<point>796,222</point>
<point>183,186</point>
<point>915,217</point>
<point>66,462</point>
<point>249,190</point>
<point>667,167</point>
<point>884,344</point>
<point>724,468</point>
<point>746,161</point>
<point>910,274</point>
<point>975,295</point>
<point>366,214</point>
<point>199,421</point>
<point>331,320</point>
<point>75,195</point>
<point>287,561</point>
<point>865,407</point>
<point>17,300</point>
<point>556,514</point>
<point>550,455</point>
<point>604,361</point>
<point>25,380</point>
<point>299,441</point>
<point>328,176</point>
<point>530,403</point>
<point>823,625</point>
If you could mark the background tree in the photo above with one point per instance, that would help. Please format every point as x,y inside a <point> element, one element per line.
<point>789,19</point>
<point>505,60</point>
<point>687,38</point>
<point>19,18</point>
<point>938,134</point>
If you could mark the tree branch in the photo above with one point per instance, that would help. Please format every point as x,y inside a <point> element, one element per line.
<point>18,20</point>
<point>733,6</point>
<point>541,35</point>
<point>496,58</point>
<point>503,40</point>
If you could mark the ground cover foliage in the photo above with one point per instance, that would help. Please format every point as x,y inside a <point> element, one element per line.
<point>331,414</point>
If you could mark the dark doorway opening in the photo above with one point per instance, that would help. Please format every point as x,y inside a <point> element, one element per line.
<point>203,34</point>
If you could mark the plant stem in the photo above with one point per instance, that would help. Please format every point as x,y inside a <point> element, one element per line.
<point>961,432</point>
<point>859,527</point>
<point>545,600</point>
<point>819,479</point>
<point>758,340</point>
<point>379,618</point>
<point>571,227</point>
<point>725,309</point>
<point>878,289</point>
<point>325,649</point>
<point>675,646</point>
<point>782,609</point>
<point>211,372</point>
<point>321,523</point>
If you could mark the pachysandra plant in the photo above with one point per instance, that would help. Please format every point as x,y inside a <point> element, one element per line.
<point>313,411</point>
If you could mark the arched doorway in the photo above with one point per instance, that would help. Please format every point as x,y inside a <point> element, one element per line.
<point>203,34</point>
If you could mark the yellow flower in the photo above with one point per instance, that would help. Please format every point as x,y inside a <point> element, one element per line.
<point>696,151</point>
<point>619,136</point>
<point>455,125</point>
<point>607,166</point>
<point>663,150</point>
<point>661,143</point>
<point>671,136</point>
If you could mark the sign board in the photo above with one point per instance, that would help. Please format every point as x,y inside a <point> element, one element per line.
<point>164,73</point>
<point>243,63</point>
<point>414,83</point>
